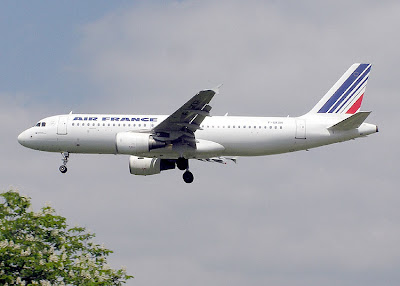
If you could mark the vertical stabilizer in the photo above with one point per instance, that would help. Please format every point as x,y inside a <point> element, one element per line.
<point>347,93</point>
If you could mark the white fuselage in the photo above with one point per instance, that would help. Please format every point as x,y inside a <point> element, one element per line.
<point>218,136</point>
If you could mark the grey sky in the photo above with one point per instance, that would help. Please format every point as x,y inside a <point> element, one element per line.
<point>325,217</point>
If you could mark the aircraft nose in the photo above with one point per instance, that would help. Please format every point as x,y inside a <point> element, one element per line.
<point>23,137</point>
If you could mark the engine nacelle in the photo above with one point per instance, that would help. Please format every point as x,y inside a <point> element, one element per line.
<point>144,166</point>
<point>149,166</point>
<point>132,143</point>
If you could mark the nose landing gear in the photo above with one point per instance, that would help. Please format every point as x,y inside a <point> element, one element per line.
<point>63,168</point>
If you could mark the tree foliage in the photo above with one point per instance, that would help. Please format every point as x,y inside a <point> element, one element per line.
<point>38,248</point>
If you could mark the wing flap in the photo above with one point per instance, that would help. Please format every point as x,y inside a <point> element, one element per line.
<point>221,160</point>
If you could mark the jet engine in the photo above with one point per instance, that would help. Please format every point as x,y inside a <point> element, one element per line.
<point>149,166</point>
<point>136,143</point>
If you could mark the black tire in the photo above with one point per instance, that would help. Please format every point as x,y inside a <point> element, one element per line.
<point>188,177</point>
<point>63,169</point>
<point>182,163</point>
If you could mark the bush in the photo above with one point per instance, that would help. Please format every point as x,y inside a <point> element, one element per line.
<point>38,248</point>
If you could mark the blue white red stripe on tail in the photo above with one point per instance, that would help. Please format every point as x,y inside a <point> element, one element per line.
<point>347,94</point>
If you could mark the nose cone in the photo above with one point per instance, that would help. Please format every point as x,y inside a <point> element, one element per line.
<point>23,138</point>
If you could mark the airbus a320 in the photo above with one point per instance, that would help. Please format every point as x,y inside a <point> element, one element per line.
<point>157,143</point>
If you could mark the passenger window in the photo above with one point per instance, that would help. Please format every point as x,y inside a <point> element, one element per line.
<point>73,124</point>
<point>281,127</point>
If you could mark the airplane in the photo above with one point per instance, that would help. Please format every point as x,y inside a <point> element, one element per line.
<point>157,143</point>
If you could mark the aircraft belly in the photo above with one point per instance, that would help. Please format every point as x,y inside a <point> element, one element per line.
<point>253,144</point>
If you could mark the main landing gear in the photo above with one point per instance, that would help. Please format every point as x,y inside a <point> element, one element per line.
<point>63,168</point>
<point>183,164</point>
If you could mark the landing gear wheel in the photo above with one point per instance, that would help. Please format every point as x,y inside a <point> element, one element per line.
<point>63,169</point>
<point>182,163</point>
<point>188,177</point>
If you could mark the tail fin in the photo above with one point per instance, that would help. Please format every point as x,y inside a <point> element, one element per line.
<point>347,93</point>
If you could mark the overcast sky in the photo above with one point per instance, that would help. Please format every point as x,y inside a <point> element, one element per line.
<point>329,216</point>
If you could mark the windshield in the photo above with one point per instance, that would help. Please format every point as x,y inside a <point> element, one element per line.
<point>42,124</point>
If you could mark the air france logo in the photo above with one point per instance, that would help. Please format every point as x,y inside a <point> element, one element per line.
<point>119,119</point>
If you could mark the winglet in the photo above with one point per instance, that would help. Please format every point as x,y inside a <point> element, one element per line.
<point>216,89</point>
<point>352,122</point>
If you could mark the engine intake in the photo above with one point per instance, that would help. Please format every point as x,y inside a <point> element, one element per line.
<point>132,143</point>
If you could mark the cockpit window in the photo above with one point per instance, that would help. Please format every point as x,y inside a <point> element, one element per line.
<point>43,124</point>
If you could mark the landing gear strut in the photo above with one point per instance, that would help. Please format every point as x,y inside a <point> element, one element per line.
<point>63,168</point>
<point>183,164</point>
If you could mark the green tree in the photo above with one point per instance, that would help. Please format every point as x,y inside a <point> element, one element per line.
<point>38,248</point>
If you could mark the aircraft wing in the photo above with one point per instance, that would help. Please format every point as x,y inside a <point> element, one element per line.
<point>183,123</point>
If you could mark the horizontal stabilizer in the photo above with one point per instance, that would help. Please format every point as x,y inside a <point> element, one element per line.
<point>351,122</point>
